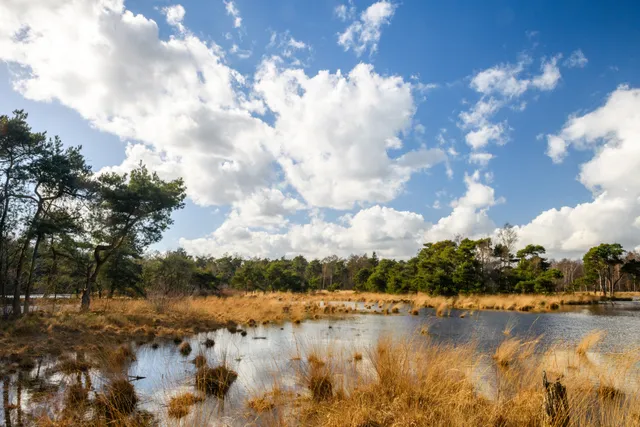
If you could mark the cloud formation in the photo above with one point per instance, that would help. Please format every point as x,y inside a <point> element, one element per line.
<point>364,33</point>
<point>232,10</point>
<point>612,132</point>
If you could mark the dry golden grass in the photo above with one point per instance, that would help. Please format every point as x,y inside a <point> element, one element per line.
<point>180,405</point>
<point>507,351</point>
<point>432,385</point>
<point>589,341</point>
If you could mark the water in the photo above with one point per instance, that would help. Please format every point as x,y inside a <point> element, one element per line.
<point>272,353</point>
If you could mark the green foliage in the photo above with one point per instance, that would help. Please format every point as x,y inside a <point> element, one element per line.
<point>600,265</point>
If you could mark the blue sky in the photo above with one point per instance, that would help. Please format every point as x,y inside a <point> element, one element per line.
<point>346,127</point>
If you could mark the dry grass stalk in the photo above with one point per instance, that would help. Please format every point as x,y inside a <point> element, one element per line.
<point>200,361</point>
<point>589,341</point>
<point>507,351</point>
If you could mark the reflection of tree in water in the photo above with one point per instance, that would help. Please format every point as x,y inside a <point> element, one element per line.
<point>5,401</point>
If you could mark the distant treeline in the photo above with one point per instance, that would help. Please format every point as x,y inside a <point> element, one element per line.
<point>64,229</point>
<point>444,268</point>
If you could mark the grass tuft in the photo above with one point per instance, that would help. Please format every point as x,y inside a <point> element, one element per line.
<point>185,348</point>
<point>180,405</point>
<point>589,341</point>
<point>215,381</point>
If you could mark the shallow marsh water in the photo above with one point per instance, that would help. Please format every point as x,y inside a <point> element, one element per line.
<point>274,353</point>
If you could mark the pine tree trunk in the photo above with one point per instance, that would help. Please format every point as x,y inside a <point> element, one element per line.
<point>34,257</point>
<point>16,289</point>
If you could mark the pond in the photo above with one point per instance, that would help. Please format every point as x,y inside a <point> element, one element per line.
<point>274,353</point>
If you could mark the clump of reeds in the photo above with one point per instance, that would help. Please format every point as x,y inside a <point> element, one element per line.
<point>314,360</point>
<point>120,399</point>
<point>320,384</point>
<point>69,366</point>
<point>508,328</point>
<point>507,351</point>
<point>589,341</point>
<point>208,343</point>
<point>269,400</point>
<point>180,405</point>
<point>442,310</point>
<point>75,395</point>
<point>200,361</point>
<point>607,391</point>
<point>261,404</point>
<point>120,357</point>
<point>215,381</point>
<point>185,348</point>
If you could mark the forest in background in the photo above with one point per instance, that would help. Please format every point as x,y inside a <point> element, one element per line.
<point>64,229</point>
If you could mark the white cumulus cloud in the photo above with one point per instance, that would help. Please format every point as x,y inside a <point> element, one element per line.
<point>177,98</point>
<point>332,133</point>
<point>364,33</point>
<point>613,133</point>
<point>469,217</point>
<point>391,233</point>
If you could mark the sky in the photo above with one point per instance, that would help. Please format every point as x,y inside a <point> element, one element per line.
<point>346,127</point>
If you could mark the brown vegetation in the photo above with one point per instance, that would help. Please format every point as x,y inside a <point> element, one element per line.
<point>119,400</point>
<point>432,385</point>
<point>215,381</point>
<point>589,341</point>
<point>180,405</point>
<point>184,348</point>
